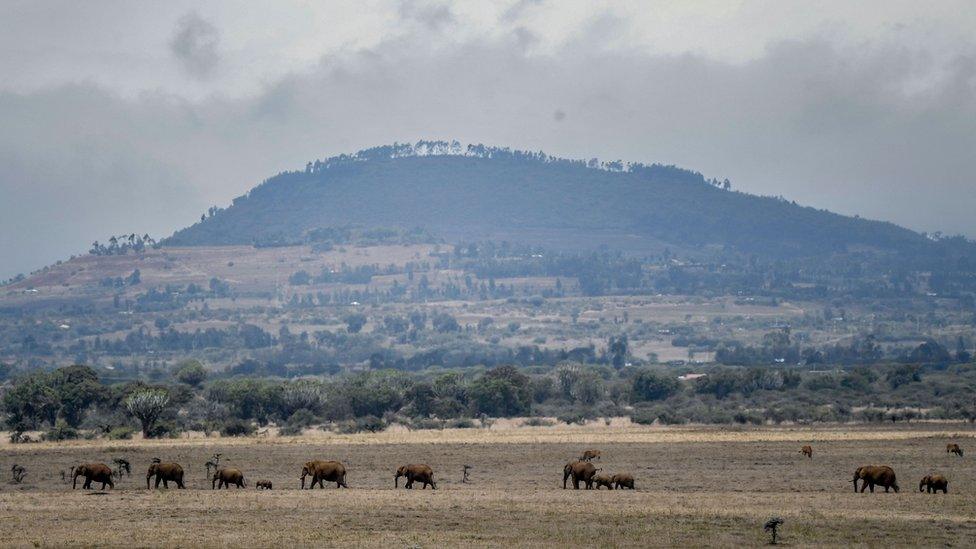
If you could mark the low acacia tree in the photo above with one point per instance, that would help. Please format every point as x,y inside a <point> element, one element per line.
<point>147,405</point>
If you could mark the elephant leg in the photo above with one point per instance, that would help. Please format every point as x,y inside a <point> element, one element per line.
<point>179,484</point>
<point>872,487</point>
<point>864,486</point>
<point>157,482</point>
<point>575,482</point>
<point>166,484</point>
<point>886,489</point>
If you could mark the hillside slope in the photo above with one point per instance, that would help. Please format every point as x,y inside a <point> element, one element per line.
<point>499,194</point>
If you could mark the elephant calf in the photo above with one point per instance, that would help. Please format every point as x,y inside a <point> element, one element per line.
<point>416,472</point>
<point>953,448</point>
<point>933,483</point>
<point>263,484</point>
<point>807,451</point>
<point>590,455</point>
<point>623,480</point>
<point>165,472</point>
<point>603,480</point>
<point>227,476</point>
<point>99,472</point>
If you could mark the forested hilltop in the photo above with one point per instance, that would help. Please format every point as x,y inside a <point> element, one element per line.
<point>489,193</point>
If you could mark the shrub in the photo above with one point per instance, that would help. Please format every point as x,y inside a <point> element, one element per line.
<point>237,428</point>
<point>191,372</point>
<point>122,432</point>
<point>538,422</point>
<point>370,424</point>
<point>298,421</point>
<point>61,431</point>
<point>648,385</point>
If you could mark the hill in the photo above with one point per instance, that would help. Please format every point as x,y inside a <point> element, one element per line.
<point>499,194</point>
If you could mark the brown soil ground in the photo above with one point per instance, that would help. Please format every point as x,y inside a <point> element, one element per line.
<point>695,486</point>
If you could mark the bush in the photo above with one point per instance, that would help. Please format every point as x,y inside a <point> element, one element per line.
<point>370,424</point>
<point>61,431</point>
<point>461,423</point>
<point>237,428</point>
<point>122,432</point>
<point>298,421</point>
<point>538,422</point>
<point>648,385</point>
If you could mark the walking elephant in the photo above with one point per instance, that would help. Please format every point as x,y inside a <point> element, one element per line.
<point>579,470</point>
<point>264,485</point>
<point>226,476</point>
<point>623,480</point>
<point>807,450</point>
<point>165,472</point>
<point>418,472</point>
<point>953,448</point>
<point>934,483</point>
<point>99,472</point>
<point>603,480</point>
<point>590,455</point>
<point>872,475</point>
<point>331,471</point>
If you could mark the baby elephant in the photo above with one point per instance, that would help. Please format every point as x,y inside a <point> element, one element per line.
<point>953,448</point>
<point>590,455</point>
<point>227,476</point>
<point>933,483</point>
<point>623,480</point>
<point>603,480</point>
<point>417,472</point>
<point>807,451</point>
<point>263,484</point>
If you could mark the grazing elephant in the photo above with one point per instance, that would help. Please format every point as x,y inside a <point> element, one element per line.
<point>807,451</point>
<point>99,472</point>
<point>933,483</point>
<point>623,480</point>
<point>331,471</point>
<point>954,449</point>
<point>603,480</point>
<point>579,470</point>
<point>590,455</point>
<point>417,472</point>
<point>165,472</point>
<point>225,476</point>
<point>263,484</point>
<point>872,475</point>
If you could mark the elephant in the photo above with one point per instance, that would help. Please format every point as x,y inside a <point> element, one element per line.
<point>933,483</point>
<point>332,471</point>
<point>954,449</point>
<point>579,470</point>
<point>603,480</point>
<point>590,455</point>
<point>263,485</point>
<point>623,480</point>
<point>807,451</point>
<point>225,476</point>
<point>416,472</point>
<point>99,472</point>
<point>165,472</point>
<point>882,475</point>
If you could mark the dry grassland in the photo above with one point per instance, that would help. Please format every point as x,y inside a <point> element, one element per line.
<point>696,486</point>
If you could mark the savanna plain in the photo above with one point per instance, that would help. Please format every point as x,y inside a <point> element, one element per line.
<point>695,486</point>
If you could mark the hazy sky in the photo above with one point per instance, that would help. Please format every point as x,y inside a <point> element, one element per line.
<point>120,117</point>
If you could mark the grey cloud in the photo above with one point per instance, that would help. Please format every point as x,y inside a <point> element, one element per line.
<point>432,15</point>
<point>194,45</point>
<point>867,131</point>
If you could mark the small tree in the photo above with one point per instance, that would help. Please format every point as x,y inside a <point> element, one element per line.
<point>147,406</point>
<point>191,372</point>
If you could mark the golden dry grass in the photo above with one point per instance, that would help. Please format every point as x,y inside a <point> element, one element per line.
<point>696,486</point>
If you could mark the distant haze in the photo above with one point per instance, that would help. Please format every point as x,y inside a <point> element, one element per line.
<point>135,117</point>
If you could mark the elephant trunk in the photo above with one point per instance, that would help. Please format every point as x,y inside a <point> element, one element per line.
<point>147,481</point>
<point>74,483</point>
<point>396,480</point>
<point>921,486</point>
<point>303,481</point>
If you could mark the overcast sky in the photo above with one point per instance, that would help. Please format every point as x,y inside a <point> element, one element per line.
<point>125,116</point>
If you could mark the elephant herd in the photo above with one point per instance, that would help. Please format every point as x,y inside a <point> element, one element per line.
<point>319,471</point>
<point>583,470</point>
<point>884,476</point>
